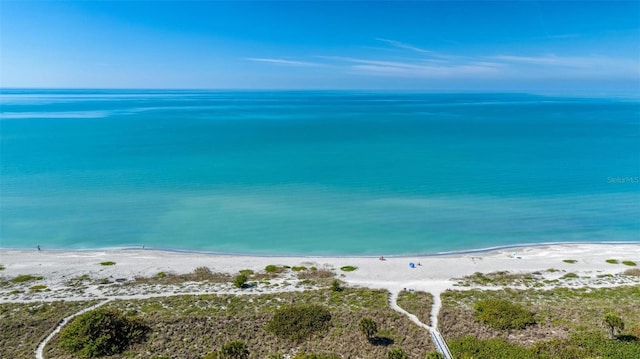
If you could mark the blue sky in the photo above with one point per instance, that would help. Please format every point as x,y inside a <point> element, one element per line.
<point>419,45</point>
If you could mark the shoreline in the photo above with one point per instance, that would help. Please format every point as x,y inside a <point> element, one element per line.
<point>319,256</point>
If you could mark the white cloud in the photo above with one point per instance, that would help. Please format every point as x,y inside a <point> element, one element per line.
<point>284,62</point>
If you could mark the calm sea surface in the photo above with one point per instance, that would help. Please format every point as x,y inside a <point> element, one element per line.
<point>318,173</point>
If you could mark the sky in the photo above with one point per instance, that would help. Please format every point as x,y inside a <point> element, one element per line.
<point>523,46</point>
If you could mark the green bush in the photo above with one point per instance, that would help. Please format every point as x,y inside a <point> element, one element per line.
<point>241,281</point>
<point>102,332</point>
<point>246,271</point>
<point>108,263</point>
<point>272,268</point>
<point>316,356</point>
<point>434,355</point>
<point>495,348</point>
<point>298,268</point>
<point>348,268</point>
<point>612,261</point>
<point>629,263</point>
<point>235,349</point>
<point>161,275</point>
<point>299,322</point>
<point>335,286</point>
<point>396,353</point>
<point>25,278</point>
<point>570,261</point>
<point>503,315</point>
<point>368,327</point>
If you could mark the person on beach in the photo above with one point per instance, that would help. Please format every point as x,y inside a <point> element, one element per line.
<point>38,248</point>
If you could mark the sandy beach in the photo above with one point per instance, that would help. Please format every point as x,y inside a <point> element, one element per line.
<point>431,273</point>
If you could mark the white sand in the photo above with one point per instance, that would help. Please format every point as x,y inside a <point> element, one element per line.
<point>435,274</point>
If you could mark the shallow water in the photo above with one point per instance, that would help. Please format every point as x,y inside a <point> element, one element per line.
<point>318,173</point>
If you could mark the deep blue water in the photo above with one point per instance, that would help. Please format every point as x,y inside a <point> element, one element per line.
<point>361,173</point>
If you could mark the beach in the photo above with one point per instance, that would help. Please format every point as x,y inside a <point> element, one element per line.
<point>432,274</point>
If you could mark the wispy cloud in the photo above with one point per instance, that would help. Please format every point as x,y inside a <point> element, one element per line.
<point>427,64</point>
<point>284,62</point>
<point>405,46</point>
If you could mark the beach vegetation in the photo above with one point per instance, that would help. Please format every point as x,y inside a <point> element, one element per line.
<point>298,322</point>
<point>161,275</point>
<point>298,268</point>
<point>396,353</point>
<point>272,268</point>
<point>417,303</point>
<point>612,261</point>
<point>335,286</point>
<point>570,261</point>
<point>108,263</point>
<point>241,280</point>
<point>26,278</point>
<point>570,275</point>
<point>316,356</point>
<point>246,272</point>
<point>235,349</point>
<point>500,278</point>
<point>348,268</point>
<point>1,267</point>
<point>368,327</point>
<point>629,263</point>
<point>503,315</point>
<point>102,332</point>
<point>23,325</point>
<point>613,323</point>
<point>434,355</point>
<point>38,288</point>
<point>632,272</point>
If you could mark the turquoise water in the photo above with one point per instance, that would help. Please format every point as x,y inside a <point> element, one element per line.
<point>315,173</point>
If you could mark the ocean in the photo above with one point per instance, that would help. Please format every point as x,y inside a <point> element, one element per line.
<point>315,172</point>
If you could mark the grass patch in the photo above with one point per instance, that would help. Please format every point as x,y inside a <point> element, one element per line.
<point>107,263</point>
<point>298,268</point>
<point>500,278</point>
<point>569,276</point>
<point>417,303</point>
<point>38,288</point>
<point>629,263</point>
<point>348,268</point>
<point>570,261</point>
<point>25,278</point>
<point>612,261</point>
<point>1,267</point>
<point>161,275</point>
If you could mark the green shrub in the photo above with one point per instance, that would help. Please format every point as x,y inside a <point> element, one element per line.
<point>503,315</point>
<point>272,268</point>
<point>396,353</point>
<point>629,263</point>
<point>38,288</point>
<point>246,272</point>
<point>434,355</point>
<point>316,356</point>
<point>299,322</point>
<point>25,278</point>
<point>348,268</point>
<point>368,327</point>
<point>101,332</point>
<point>236,349</point>
<point>161,274</point>
<point>298,268</point>
<point>108,263</point>
<point>335,286</point>
<point>495,348</point>
<point>1,267</point>
<point>569,276</point>
<point>241,281</point>
<point>570,261</point>
<point>612,261</point>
